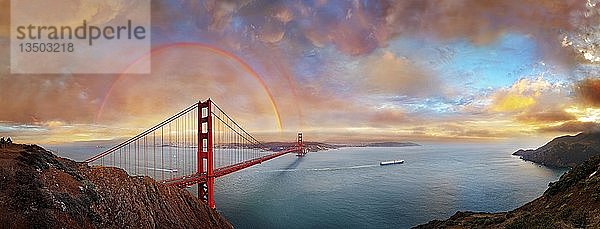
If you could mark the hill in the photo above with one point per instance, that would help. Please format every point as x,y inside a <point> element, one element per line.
<point>391,144</point>
<point>565,151</point>
<point>41,190</point>
<point>320,146</point>
<point>311,146</point>
<point>571,202</point>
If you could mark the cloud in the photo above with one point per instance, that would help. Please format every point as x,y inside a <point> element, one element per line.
<point>467,129</point>
<point>273,35</point>
<point>587,91</point>
<point>185,75</point>
<point>388,73</point>
<point>360,27</point>
<point>4,19</point>
<point>388,117</point>
<point>39,98</point>
<point>548,116</point>
<point>546,107</point>
<point>221,13</point>
<point>573,127</point>
<point>527,95</point>
<point>511,102</point>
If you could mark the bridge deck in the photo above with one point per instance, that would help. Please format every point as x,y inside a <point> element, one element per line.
<point>201,141</point>
<point>186,181</point>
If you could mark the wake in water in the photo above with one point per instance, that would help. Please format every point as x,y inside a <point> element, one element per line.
<point>320,169</point>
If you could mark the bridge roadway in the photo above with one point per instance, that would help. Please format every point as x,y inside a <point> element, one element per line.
<point>186,181</point>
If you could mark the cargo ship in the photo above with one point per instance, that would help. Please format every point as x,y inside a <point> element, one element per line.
<point>391,162</point>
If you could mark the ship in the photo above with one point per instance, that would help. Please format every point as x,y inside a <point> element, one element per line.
<point>391,162</point>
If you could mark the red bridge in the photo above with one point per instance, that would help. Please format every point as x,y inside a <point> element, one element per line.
<point>194,146</point>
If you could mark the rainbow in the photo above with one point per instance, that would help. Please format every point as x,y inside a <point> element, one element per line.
<point>205,47</point>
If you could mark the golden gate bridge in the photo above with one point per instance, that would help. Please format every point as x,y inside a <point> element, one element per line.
<point>193,147</point>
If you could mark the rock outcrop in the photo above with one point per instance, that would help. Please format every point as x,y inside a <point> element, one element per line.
<point>41,190</point>
<point>565,151</point>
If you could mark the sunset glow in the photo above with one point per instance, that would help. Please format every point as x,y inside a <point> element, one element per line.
<point>336,70</point>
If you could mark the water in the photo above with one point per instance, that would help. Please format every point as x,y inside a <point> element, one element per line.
<point>346,188</point>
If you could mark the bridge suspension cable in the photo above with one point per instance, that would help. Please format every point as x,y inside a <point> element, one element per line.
<point>194,146</point>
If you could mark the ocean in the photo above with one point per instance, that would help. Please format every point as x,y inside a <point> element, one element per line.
<point>347,188</point>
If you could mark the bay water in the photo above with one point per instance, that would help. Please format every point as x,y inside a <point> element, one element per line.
<point>347,188</point>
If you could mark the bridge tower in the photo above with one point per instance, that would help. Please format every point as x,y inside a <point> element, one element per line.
<point>301,151</point>
<point>206,190</point>
<point>192,147</point>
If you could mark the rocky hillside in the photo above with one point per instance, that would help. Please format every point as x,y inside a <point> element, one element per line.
<point>41,190</point>
<point>571,202</point>
<point>565,151</point>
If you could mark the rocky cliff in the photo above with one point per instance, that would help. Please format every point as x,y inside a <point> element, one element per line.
<point>41,190</point>
<point>565,151</point>
<point>571,202</point>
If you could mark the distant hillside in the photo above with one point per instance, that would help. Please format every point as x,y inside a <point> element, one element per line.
<point>391,144</point>
<point>319,146</point>
<point>311,146</point>
<point>41,190</point>
<point>571,202</point>
<point>565,151</point>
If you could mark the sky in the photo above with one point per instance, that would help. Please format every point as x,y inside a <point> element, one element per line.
<point>339,71</point>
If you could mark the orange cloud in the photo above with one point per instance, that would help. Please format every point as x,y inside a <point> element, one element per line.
<point>4,19</point>
<point>58,104</point>
<point>540,105</point>
<point>522,95</point>
<point>388,117</point>
<point>572,127</point>
<point>550,108</point>
<point>512,103</point>
<point>40,98</point>
<point>549,116</point>
<point>388,73</point>
<point>588,91</point>
<point>184,75</point>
